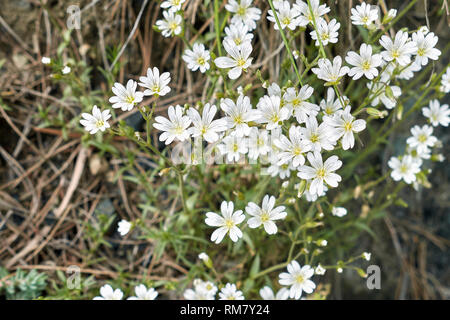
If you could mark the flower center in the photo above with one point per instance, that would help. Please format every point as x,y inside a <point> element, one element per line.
<point>156,88</point>
<point>395,54</point>
<point>329,110</point>
<point>421,52</point>
<point>321,173</point>
<point>201,61</point>
<point>100,123</point>
<point>235,147</point>
<point>365,66</point>
<point>237,41</point>
<point>265,217</point>
<point>241,11</point>
<point>229,223</point>
<point>348,126</point>
<point>240,62</point>
<point>286,21</point>
<point>299,279</point>
<point>296,102</point>
<point>325,36</point>
<point>130,100</point>
<point>238,119</point>
<point>404,169</point>
<point>422,138</point>
<point>173,26</point>
<point>297,151</point>
<point>365,19</point>
<point>178,129</point>
<point>275,118</point>
<point>314,138</point>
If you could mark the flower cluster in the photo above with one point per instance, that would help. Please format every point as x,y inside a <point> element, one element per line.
<point>229,219</point>
<point>419,145</point>
<point>292,131</point>
<point>141,291</point>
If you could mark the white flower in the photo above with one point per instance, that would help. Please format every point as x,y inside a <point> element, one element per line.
<point>306,15</point>
<point>330,72</point>
<point>244,13</point>
<point>366,255</point>
<point>344,125</point>
<point>274,90</point>
<point>292,149</point>
<point>437,114</point>
<point>239,60</point>
<point>298,278</point>
<point>399,50</point>
<point>125,98</point>
<point>230,292</point>
<point>239,114</point>
<point>422,138</point>
<point>154,83</point>
<point>66,70</point>
<point>206,286</point>
<point>363,15</point>
<point>171,24</point>
<point>407,72</point>
<point>364,63</point>
<point>379,91</point>
<point>107,293</point>
<point>203,256</point>
<point>197,58</point>
<point>238,33</point>
<point>267,294</point>
<point>203,290</point>
<point>265,215</point>
<point>227,223</point>
<point>143,294</point>
<point>445,81</point>
<point>284,170</point>
<point>425,47</point>
<point>287,16</point>
<point>339,211</point>
<point>418,156</point>
<point>392,13</point>
<point>233,147</point>
<point>323,243</point>
<point>331,106</point>
<point>175,127</point>
<point>310,197</point>
<point>320,172</point>
<point>270,112</point>
<point>172,5</point>
<point>405,169</point>
<point>46,60</point>
<point>318,136</point>
<point>205,126</point>
<point>258,143</point>
<point>98,120</point>
<point>339,270</point>
<point>328,32</point>
<point>297,104</point>
<point>124,227</point>
<point>320,270</point>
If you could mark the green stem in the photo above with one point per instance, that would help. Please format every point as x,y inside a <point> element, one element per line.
<point>286,44</point>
